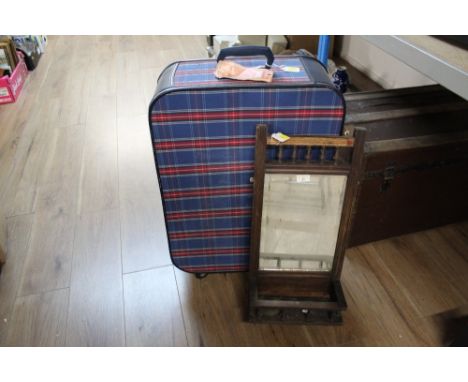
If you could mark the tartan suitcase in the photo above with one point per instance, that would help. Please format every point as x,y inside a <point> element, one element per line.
<point>203,135</point>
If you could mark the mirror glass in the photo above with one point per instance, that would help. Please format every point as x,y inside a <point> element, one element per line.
<point>300,221</point>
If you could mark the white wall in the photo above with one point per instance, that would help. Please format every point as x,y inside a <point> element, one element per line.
<point>378,65</point>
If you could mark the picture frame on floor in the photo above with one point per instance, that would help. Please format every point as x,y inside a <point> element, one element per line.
<point>8,58</point>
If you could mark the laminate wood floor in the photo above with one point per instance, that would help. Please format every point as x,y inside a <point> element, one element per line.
<point>87,259</point>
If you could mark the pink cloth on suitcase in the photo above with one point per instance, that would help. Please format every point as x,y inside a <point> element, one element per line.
<point>235,71</point>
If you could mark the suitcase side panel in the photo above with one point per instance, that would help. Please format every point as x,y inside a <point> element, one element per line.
<point>204,149</point>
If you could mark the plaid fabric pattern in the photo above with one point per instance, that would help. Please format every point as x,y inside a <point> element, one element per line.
<point>204,146</point>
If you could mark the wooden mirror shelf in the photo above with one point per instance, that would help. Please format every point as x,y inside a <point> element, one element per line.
<point>304,192</point>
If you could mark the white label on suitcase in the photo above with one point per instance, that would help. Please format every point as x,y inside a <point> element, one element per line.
<point>292,69</point>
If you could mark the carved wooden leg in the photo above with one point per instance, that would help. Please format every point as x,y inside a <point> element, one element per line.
<point>3,238</point>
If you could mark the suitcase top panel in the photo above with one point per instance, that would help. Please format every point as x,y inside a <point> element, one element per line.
<point>201,72</point>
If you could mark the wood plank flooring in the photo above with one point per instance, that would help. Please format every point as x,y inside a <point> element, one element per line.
<point>87,257</point>
<point>95,314</point>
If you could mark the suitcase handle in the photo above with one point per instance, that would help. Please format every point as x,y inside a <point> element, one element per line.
<point>248,50</point>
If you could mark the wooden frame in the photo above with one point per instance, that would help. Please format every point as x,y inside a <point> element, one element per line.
<point>302,296</point>
<point>2,258</point>
<point>11,56</point>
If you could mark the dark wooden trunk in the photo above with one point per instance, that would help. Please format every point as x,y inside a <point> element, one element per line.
<point>416,161</point>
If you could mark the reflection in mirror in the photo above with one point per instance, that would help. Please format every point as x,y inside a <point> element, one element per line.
<point>300,221</point>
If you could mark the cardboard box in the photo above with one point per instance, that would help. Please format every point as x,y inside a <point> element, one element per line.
<point>11,86</point>
<point>309,43</point>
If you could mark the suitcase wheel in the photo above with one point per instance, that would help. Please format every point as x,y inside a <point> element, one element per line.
<point>201,275</point>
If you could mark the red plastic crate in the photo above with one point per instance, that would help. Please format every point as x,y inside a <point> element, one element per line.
<point>10,86</point>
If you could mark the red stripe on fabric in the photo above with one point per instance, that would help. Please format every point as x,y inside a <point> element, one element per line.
<point>201,192</point>
<point>205,169</point>
<point>202,143</point>
<point>212,233</point>
<point>207,252</point>
<point>208,214</point>
<point>204,268</point>
<point>242,114</point>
